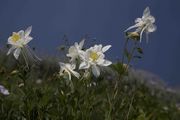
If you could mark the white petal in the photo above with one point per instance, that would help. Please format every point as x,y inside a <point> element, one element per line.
<point>99,47</point>
<point>103,62</point>
<point>137,20</point>
<point>131,27</point>
<point>76,74</point>
<point>10,41</point>
<point>83,55</point>
<point>76,45</point>
<point>84,65</point>
<point>17,52</point>
<point>81,44</point>
<point>96,48</point>
<point>21,33</point>
<point>69,74</point>
<point>105,48</point>
<point>151,19</point>
<point>95,71</point>
<point>151,28</point>
<point>10,50</point>
<point>28,31</point>
<point>142,33</point>
<point>27,40</point>
<point>101,56</point>
<point>107,63</point>
<point>73,54</point>
<point>146,12</point>
<point>73,66</point>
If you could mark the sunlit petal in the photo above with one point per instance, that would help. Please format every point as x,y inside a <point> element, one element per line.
<point>96,71</point>
<point>105,48</point>
<point>17,52</point>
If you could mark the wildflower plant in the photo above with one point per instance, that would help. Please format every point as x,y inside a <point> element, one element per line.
<point>144,24</point>
<point>19,44</point>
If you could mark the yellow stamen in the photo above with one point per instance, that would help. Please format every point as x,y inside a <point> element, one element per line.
<point>15,37</point>
<point>94,56</point>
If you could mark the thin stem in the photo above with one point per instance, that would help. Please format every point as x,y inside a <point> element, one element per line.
<point>131,56</point>
<point>130,106</point>
<point>110,108</point>
<point>124,48</point>
<point>25,58</point>
<point>123,57</point>
<point>32,54</point>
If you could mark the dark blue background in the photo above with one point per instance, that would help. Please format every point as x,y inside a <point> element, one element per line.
<point>104,20</point>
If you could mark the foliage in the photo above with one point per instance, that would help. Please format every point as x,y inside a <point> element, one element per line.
<point>36,97</point>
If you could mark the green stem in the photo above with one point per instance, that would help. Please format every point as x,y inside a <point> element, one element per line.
<point>25,59</point>
<point>131,55</point>
<point>130,106</point>
<point>124,48</point>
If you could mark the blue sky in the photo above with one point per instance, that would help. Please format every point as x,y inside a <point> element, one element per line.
<point>104,20</point>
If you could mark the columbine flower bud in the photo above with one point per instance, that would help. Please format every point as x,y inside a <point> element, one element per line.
<point>133,35</point>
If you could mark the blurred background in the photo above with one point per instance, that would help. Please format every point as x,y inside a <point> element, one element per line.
<point>103,21</point>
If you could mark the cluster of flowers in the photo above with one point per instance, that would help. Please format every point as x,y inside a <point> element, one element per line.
<point>90,59</point>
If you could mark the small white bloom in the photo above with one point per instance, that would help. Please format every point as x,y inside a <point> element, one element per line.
<point>93,58</point>
<point>68,69</point>
<point>144,24</point>
<point>18,41</point>
<point>75,50</point>
<point>3,90</point>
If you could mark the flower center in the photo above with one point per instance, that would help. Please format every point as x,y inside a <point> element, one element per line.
<point>94,56</point>
<point>15,37</point>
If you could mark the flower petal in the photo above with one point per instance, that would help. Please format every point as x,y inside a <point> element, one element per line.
<point>105,48</point>
<point>95,71</point>
<point>76,74</point>
<point>146,12</point>
<point>27,40</point>
<point>10,50</point>
<point>137,20</point>
<point>151,19</point>
<point>141,33</point>
<point>151,28</point>
<point>17,52</point>
<point>28,31</point>
<point>107,63</point>
<point>104,62</point>
<point>69,75</point>
<point>21,33</point>
<point>131,27</point>
<point>81,44</point>
<point>84,65</point>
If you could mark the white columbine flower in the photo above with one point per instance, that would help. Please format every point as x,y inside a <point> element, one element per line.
<point>144,24</point>
<point>75,50</point>
<point>93,58</point>
<point>68,69</point>
<point>19,40</point>
<point>3,90</point>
